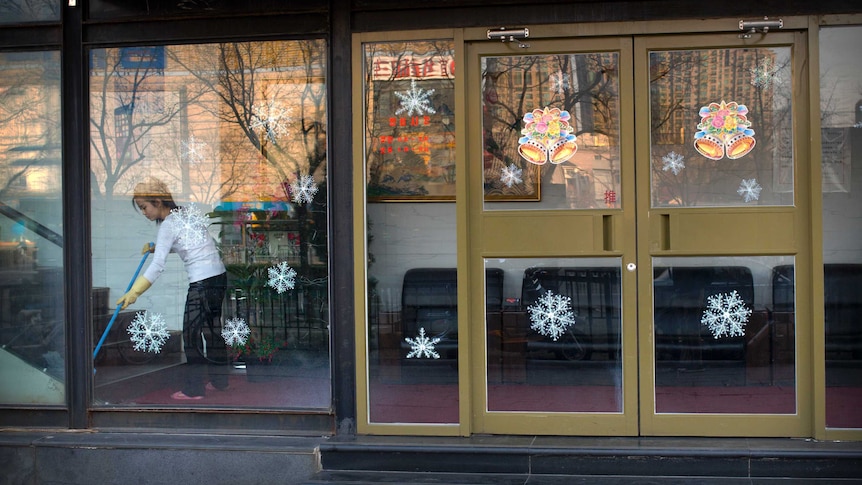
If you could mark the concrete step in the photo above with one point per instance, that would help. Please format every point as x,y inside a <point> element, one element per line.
<point>557,460</point>
<point>404,478</point>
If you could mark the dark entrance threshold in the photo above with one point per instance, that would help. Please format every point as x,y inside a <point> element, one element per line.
<point>556,460</point>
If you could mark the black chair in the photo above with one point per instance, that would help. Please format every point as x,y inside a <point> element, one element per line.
<point>842,288</point>
<point>680,297</point>
<point>595,299</point>
<point>842,295</point>
<point>429,301</point>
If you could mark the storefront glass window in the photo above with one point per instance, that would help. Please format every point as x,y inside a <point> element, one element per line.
<point>411,230</point>
<point>721,127</point>
<point>216,153</point>
<point>724,333</point>
<point>841,136</point>
<point>553,330</point>
<point>32,338</point>
<point>22,11</point>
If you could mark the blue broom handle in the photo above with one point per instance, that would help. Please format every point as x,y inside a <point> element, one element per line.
<point>117,311</point>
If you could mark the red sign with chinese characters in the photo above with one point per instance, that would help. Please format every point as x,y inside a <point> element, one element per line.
<point>386,68</point>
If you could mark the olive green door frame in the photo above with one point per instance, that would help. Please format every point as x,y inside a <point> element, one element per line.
<point>524,232</point>
<point>758,231</point>
<point>634,233</point>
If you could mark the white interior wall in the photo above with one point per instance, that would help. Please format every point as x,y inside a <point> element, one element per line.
<point>840,92</point>
<point>842,218</point>
<point>409,235</point>
<point>118,234</point>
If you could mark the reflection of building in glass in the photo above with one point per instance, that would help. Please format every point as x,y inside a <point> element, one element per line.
<point>683,81</point>
<point>29,124</point>
<point>718,147</point>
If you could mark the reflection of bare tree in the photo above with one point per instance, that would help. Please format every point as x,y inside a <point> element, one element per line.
<point>585,85</point>
<point>670,69</point>
<point>30,142</point>
<point>270,100</point>
<point>129,103</point>
<point>828,94</point>
<point>32,127</point>
<point>374,163</point>
<point>835,111</point>
<point>673,69</point>
<point>256,81</point>
<point>214,172</point>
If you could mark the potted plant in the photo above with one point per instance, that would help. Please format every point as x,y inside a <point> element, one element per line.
<point>257,353</point>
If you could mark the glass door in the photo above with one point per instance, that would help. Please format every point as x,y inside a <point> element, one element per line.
<point>552,231</point>
<point>638,239</point>
<point>723,235</point>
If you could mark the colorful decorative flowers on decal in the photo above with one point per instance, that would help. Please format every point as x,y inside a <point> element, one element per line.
<point>547,136</point>
<point>724,131</point>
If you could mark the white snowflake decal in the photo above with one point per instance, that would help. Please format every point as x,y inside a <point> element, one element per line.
<point>673,162</point>
<point>763,74</point>
<point>235,332</point>
<point>303,189</point>
<point>193,151</point>
<point>511,175</point>
<point>422,346</point>
<point>148,332</point>
<point>415,101</point>
<point>725,315</point>
<point>190,225</point>
<point>281,277</point>
<point>749,189</point>
<point>551,315</point>
<point>270,117</point>
<point>559,82</point>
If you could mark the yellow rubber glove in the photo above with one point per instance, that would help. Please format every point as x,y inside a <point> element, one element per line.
<point>141,285</point>
<point>148,248</point>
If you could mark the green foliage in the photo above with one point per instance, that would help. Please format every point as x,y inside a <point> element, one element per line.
<point>262,349</point>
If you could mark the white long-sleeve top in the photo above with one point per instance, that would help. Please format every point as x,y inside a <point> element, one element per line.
<point>201,260</point>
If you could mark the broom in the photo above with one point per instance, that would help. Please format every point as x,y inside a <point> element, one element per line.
<point>117,311</point>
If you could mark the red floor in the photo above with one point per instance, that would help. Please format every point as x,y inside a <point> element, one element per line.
<point>438,403</point>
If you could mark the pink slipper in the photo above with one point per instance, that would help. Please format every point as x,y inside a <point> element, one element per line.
<point>211,387</point>
<point>180,396</point>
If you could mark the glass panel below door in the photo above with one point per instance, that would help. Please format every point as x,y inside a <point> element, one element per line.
<point>413,335</point>
<point>724,335</point>
<point>553,329</point>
